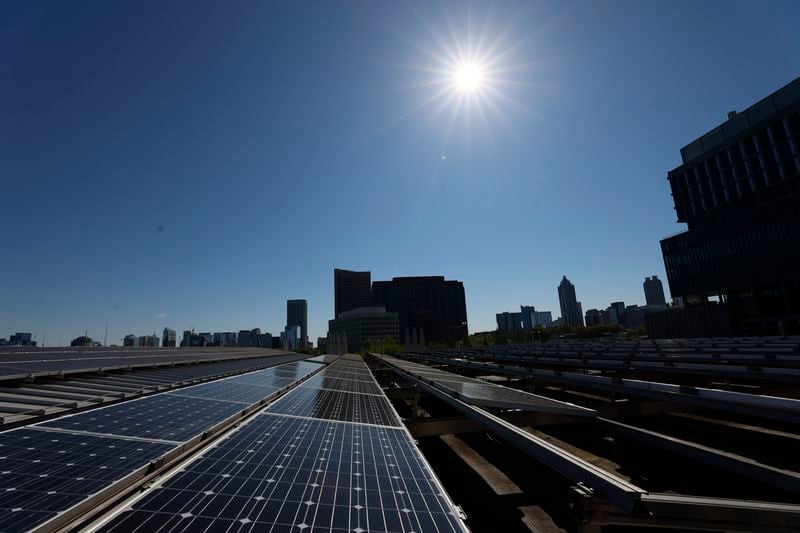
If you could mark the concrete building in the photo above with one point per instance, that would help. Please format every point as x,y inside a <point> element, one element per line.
<point>543,319</point>
<point>738,191</point>
<point>360,324</point>
<point>169,338</point>
<point>430,304</point>
<point>509,322</point>
<point>21,339</point>
<point>224,338</point>
<point>247,338</point>
<point>654,291</point>
<point>527,314</point>
<point>82,341</point>
<point>297,315</point>
<point>149,341</point>
<point>596,317</point>
<point>264,340</point>
<point>130,340</point>
<point>571,311</point>
<point>351,290</point>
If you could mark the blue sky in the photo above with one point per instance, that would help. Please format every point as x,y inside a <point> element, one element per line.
<point>197,163</point>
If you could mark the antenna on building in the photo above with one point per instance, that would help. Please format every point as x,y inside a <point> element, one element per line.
<point>105,337</point>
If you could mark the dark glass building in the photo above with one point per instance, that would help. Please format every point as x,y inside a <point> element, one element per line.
<point>351,290</point>
<point>654,291</point>
<point>571,310</point>
<point>430,303</point>
<point>297,315</point>
<point>737,268</point>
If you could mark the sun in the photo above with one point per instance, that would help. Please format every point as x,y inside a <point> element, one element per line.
<point>469,77</point>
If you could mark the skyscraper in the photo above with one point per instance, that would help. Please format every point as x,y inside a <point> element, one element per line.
<point>528,312</point>
<point>351,290</point>
<point>571,311</point>
<point>654,291</point>
<point>509,322</point>
<point>429,304</point>
<point>738,191</point>
<point>616,313</point>
<point>297,315</point>
<point>169,338</point>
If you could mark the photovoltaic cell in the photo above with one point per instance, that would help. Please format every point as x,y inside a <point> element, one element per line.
<point>283,473</point>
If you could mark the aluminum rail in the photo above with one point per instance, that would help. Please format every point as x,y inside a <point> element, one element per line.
<point>627,364</point>
<point>721,513</point>
<point>622,493</point>
<point>773,407</point>
<point>740,465</point>
<point>31,367</point>
<point>719,359</point>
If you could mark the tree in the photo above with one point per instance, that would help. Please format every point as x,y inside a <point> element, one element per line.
<point>386,345</point>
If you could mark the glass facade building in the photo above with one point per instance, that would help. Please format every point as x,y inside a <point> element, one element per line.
<point>738,191</point>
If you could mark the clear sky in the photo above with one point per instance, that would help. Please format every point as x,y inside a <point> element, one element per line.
<point>197,163</point>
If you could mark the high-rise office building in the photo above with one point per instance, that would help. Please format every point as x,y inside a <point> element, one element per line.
<point>151,341</point>
<point>616,313</point>
<point>297,315</point>
<point>597,317</point>
<point>351,290</point>
<point>509,322</point>
<point>360,324</point>
<point>430,304</point>
<point>247,338</point>
<point>571,311</point>
<point>224,338</point>
<point>736,268</point>
<point>527,314</point>
<point>169,338</point>
<point>654,291</point>
<point>543,318</point>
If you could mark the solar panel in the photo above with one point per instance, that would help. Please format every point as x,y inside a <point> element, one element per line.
<point>53,466</point>
<point>46,362</point>
<point>45,472</point>
<point>164,417</point>
<point>337,405</point>
<point>228,391</point>
<point>479,392</point>
<point>324,381</point>
<point>325,358</point>
<point>283,473</point>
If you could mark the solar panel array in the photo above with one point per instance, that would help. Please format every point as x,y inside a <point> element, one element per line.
<point>479,392</point>
<point>49,468</point>
<point>318,459</point>
<point>43,362</point>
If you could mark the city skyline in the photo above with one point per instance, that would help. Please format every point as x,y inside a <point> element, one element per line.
<point>97,118</point>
